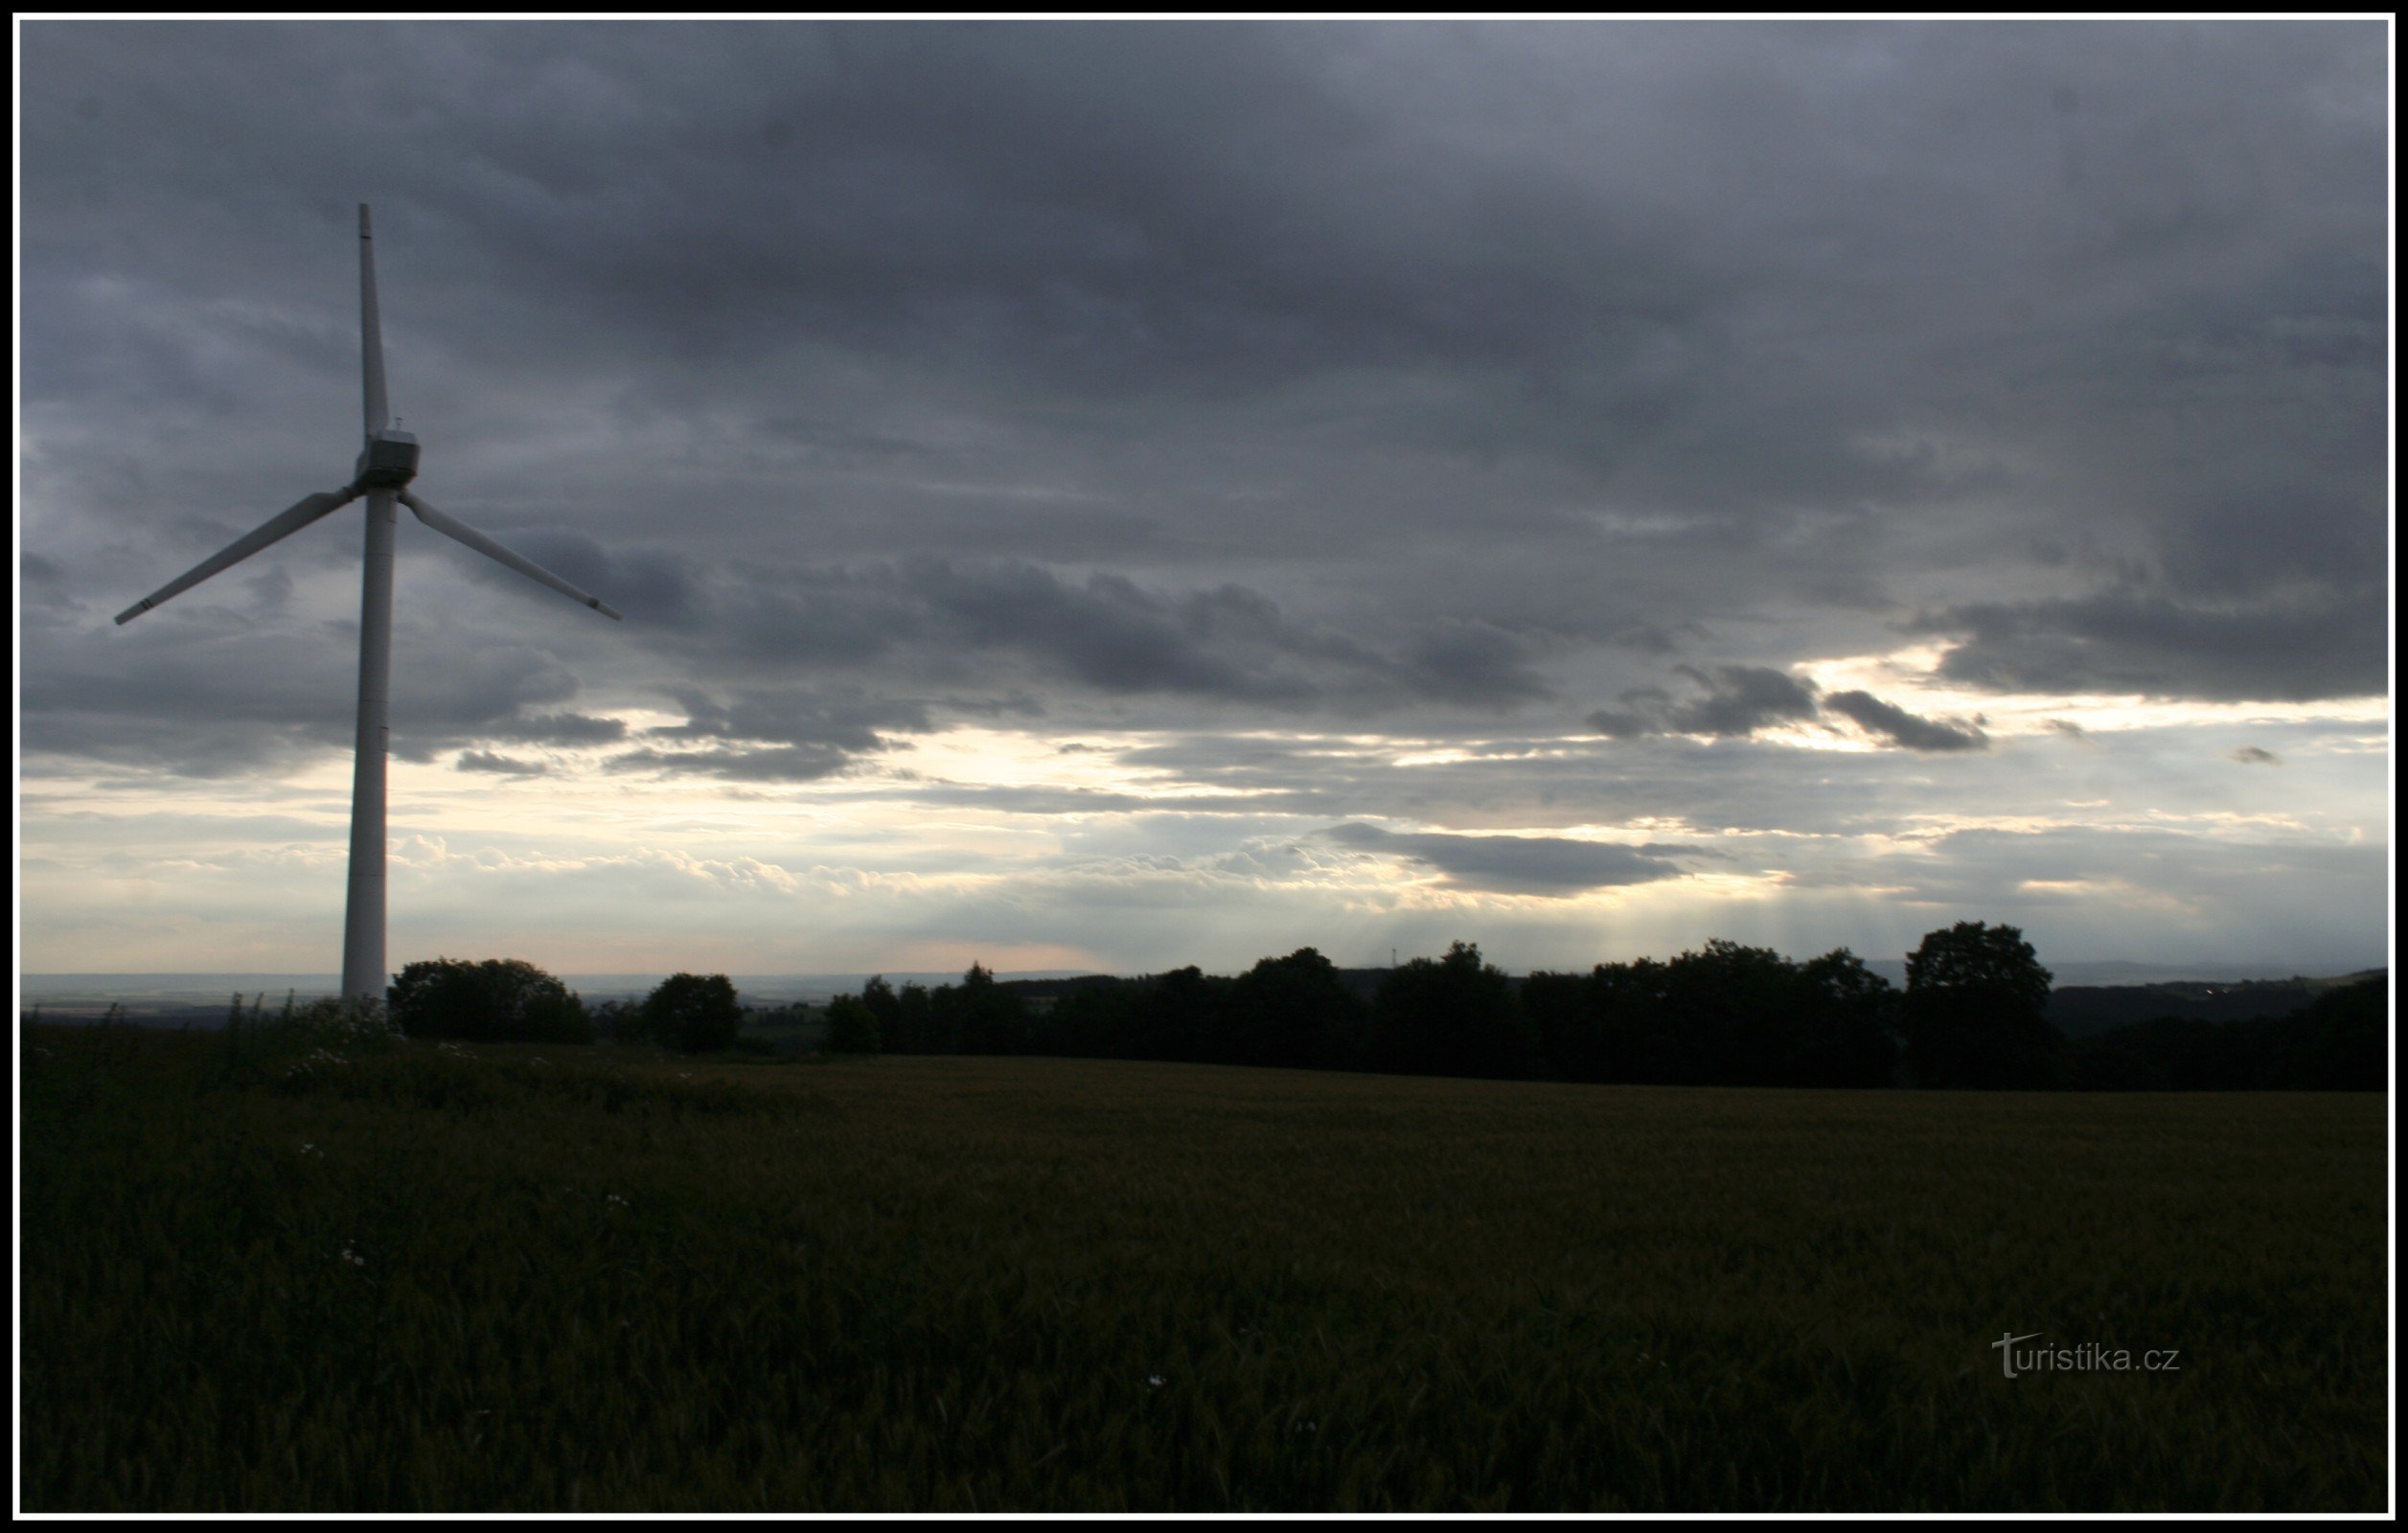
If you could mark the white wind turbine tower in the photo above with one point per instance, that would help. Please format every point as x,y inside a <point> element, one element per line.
<point>386,466</point>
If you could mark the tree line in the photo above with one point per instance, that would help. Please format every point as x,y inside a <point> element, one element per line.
<point>511,1001</point>
<point>1725,1015</point>
<point>1973,1014</point>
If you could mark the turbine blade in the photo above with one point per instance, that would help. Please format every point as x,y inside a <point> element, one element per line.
<point>371,336</point>
<point>455,528</point>
<point>304,512</point>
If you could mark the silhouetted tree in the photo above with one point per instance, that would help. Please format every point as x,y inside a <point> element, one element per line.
<point>1184,1015</point>
<point>884,1005</point>
<point>500,1000</point>
<point>1643,1038</point>
<point>1098,1021</point>
<point>1452,1016</point>
<point>1724,1014</point>
<point>692,1012</point>
<point>1733,1007</point>
<point>1847,1033</point>
<point>1975,1013</point>
<point>852,1026</point>
<point>1570,1026</point>
<point>915,1022</point>
<point>1295,1010</point>
<point>978,1015</point>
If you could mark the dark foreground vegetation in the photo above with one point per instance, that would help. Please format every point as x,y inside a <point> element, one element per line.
<point>305,1266</point>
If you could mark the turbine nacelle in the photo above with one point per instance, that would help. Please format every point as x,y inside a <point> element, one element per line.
<point>388,462</point>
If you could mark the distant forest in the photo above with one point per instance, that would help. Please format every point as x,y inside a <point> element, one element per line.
<point>1976,1012</point>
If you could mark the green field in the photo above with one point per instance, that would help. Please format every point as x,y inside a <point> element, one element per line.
<point>271,1272</point>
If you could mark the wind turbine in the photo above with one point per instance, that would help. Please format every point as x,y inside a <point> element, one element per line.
<point>386,466</point>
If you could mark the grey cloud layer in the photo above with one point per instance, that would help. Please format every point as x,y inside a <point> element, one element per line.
<point>1440,338</point>
<point>1110,635</point>
<point>2324,640</point>
<point>208,693</point>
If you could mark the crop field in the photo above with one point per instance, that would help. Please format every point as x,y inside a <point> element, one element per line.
<point>280,1270</point>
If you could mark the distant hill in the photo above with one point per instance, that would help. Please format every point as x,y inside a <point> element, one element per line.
<point>2080,1010</point>
<point>2340,1041</point>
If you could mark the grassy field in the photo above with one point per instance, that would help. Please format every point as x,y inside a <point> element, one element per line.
<point>283,1273</point>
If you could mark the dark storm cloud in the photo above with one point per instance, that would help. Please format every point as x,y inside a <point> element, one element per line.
<point>1112,634</point>
<point>40,583</point>
<point>1167,209</point>
<point>1740,699</point>
<point>773,735</point>
<point>2126,640</point>
<point>1234,371</point>
<point>484,761</point>
<point>244,693</point>
<point>652,587</point>
<point>1519,865</point>
<point>559,729</point>
<point>843,718</point>
<point>1900,727</point>
<point>916,620</point>
<point>767,764</point>
<point>1473,662</point>
<point>1737,701</point>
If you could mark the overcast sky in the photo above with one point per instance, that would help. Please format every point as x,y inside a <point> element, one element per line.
<point>1123,495</point>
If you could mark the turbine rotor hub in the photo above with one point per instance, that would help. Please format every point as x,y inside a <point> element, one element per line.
<point>388,462</point>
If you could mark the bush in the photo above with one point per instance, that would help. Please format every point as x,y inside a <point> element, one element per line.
<point>500,1000</point>
<point>692,1014</point>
